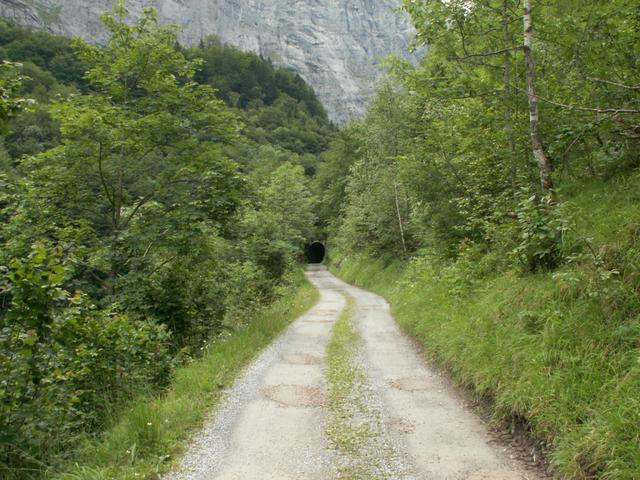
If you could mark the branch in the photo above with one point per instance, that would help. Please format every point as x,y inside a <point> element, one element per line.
<point>583,109</point>
<point>454,170</point>
<point>90,269</point>
<point>583,133</point>
<point>102,179</point>
<point>142,201</point>
<point>471,95</point>
<point>148,249</point>
<point>621,85</point>
<point>584,32</point>
<point>141,157</point>
<point>462,39</point>
<point>131,255</point>
<point>162,264</point>
<point>490,54</point>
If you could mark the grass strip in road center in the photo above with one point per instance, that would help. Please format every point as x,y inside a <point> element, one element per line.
<point>352,427</point>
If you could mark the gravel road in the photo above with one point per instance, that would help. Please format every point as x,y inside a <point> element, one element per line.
<point>270,425</point>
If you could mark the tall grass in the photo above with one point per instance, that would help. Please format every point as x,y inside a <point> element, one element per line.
<point>150,434</point>
<point>559,349</point>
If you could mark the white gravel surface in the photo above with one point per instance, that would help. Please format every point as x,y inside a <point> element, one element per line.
<point>270,425</point>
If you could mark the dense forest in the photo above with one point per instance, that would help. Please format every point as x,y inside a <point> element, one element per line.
<point>153,196</point>
<point>492,194</point>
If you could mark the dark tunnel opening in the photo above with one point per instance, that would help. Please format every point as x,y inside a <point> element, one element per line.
<point>315,252</point>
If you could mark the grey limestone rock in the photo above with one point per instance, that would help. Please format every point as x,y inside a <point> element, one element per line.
<point>335,45</point>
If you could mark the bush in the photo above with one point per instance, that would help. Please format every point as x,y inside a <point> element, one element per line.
<point>542,227</point>
<point>63,363</point>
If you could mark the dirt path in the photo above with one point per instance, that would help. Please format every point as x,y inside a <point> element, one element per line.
<point>272,422</point>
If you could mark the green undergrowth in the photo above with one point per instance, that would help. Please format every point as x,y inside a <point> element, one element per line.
<point>559,350</point>
<point>145,439</point>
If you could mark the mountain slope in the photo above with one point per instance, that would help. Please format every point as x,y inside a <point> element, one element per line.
<point>334,45</point>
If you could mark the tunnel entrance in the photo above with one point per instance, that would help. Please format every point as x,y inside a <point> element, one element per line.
<point>315,252</point>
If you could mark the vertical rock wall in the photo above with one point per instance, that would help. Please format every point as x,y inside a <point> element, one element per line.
<point>335,45</point>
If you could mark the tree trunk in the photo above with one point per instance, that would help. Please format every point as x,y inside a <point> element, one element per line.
<point>404,244</point>
<point>534,116</point>
<point>116,218</point>
<point>508,112</point>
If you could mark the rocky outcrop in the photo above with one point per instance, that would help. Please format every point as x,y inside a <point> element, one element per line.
<point>336,45</point>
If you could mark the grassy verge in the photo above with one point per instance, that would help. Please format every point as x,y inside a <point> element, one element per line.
<point>560,350</point>
<point>149,435</point>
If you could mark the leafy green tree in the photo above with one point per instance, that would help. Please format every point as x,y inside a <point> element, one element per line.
<point>289,201</point>
<point>243,77</point>
<point>63,362</point>
<point>333,172</point>
<point>140,159</point>
<point>53,54</point>
<point>377,206</point>
<point>276,230</point>
<point>453,136</point>
<point>10,101</point>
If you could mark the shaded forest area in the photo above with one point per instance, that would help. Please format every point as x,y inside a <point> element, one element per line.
<point>492,194</point>
<point>152,198</point>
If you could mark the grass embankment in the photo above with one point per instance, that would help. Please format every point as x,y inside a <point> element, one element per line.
<point>146,437</point>
<point>560,350</point>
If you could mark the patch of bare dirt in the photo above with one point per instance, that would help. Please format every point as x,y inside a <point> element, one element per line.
<point>490,475</point>
<point>411,384</point>
<point>401,425</point>
<point>301,359</point>
<point>295,395</point>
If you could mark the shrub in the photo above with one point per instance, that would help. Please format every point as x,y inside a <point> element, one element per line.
<point>63,363</point>
<point>542,226</point>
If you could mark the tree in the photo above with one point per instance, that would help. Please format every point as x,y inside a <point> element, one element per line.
<point>376,206</point>
<point>288,199</point>
<point>333,173</point>
<point>276,229</point>
<point>534,115</point>
<point>140,158</point>
<point>10,100</point>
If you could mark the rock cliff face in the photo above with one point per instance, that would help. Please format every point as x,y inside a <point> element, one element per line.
<point>334,44</point>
